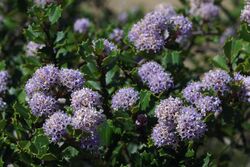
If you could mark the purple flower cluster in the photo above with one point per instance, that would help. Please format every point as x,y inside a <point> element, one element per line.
<point>208,104</point>
<point>182,27</point>
<point>55,126</point>
<point>81,25</point>
<point>32,48</point>
<point>91,142</point>
<point>124,99</point>
<point>218,80</point>
<point>4,77</point>
<point>149,34</point>
<point>244,82</point>
<point>85,98</point>
<point>87,119</point>
<point>206,9</point>
<point>168,109</point>
<point>49,88</point>
<point>189,124</point>
<point>41,104</point>
<point>117,35</point>
<point>164,135</point>
<point>154,76</point>
<point>245,13</point>
<point>193,91</point>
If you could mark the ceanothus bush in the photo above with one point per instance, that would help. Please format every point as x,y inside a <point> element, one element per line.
<point>86,83</point>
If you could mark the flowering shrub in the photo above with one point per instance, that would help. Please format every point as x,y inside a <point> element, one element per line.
<point>81,85</point>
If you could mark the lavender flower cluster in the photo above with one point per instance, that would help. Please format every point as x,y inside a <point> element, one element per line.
<point>32,48</point>
<point>244,82</point>
<point>178,121</point>
<point>175,121</point>
<point>117,35</point>
<point>108,46</point>
<point>4,77</point>
<point>124,99</point>
<point>151,33</point>
<point>206,9</point>
<point>81,25</point>
<point>245,13</point>
<point>46,90</point>
<point>154,76</point>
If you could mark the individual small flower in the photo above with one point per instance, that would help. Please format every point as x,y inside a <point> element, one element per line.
<point>164,135</point>
<point>71,79</point>
<point>189,124</point>
<point>55,126</point>
<point>46,77</point>
<point>2,104</point>
<point>208,104</point>
<point>85,98</point>
<point>32,48</point>
<point>42,105</point>
<point>87,119</point>
<point>124,99</point>
<point>245,14</point>
<point>193,91</point>
<point>81,25</point>
<point>168,109</point>
<point>117,35</point>
<point>154,76</point>
<point>91,142</point>
<point>4,77</point>
<point>218,80</point>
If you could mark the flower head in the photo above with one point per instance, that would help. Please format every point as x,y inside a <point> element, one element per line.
<point>87,119</point>
<point>117,35</point>
<point>155,77</point>
<point>81,25</point>
<point>189,124</point>
<point>124,99</point>
<point>46,77</point>
<point>4,77</point>
<point>193,91</point>
<point>71,79</point>
<point>208,104</point>
<point>164,135</point>
<point>43,105</point>
<point>85,98</point>
<point>32,48</point>
<point>55,126</point>
<point>218,80</point>
<point>168,109</point>
<point>245,14</point>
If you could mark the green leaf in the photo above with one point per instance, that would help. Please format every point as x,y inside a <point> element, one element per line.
<point>207,160</point>
<point>48,157</point>
<point>105,131</point>
<point>220,61</point>
<point>111,74</point>
<point>54,14</point>
<point>190,153</point>
<point>144,99</point>
<point>69,152</point>
<point>41,143</point>
<point>60,35</point>
<point>2,124</point>
<point>2,65</point>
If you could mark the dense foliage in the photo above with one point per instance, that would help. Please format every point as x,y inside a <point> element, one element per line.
<point>81,85</point>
